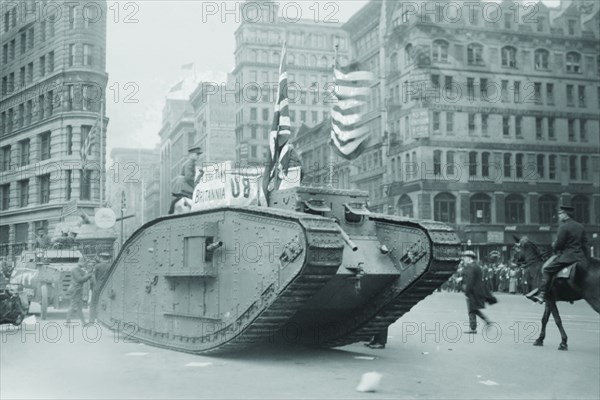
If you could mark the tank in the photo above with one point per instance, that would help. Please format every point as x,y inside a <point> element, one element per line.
<point>315,267</point>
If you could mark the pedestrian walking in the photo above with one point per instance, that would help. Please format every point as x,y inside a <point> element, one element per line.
<point>99,274</point>
<point>79,276</point>
<point>475,291</point>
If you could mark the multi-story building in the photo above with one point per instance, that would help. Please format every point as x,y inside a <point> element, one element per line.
<point>492,122</point>
<point>53,83</point>
<point>310,57</point>
<point>130,173</point>
<point>214,121</point>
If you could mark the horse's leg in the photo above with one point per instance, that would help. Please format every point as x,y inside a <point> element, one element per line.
<point>558,321</point>
<point>540,340</point>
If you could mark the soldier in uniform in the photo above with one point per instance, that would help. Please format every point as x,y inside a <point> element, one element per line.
<point>79,277</point>
<point>186,182</point>
<point>475,291</point>
<point>98,276</point>
<point>570,246</point>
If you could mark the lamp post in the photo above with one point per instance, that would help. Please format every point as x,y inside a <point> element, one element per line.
<point>123,206</point>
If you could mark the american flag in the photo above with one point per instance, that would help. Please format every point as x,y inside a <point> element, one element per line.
<point>278,158</point>
<point>349,132</point>
<point>89,141</point>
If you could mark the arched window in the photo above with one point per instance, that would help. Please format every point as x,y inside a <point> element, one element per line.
<point>581,204</point>
<point>542,59</point>
<point>394,65</point>
<point>264,56</point>
<point>444,208</point>
<point>313,61</point>
<point>253,56</point>
<point>509,57</point>
<point>574,62</point>
<point>405,207</point>
<point>275,58</point>
<point>324,63</point>
<point>514,209</point>
<point>408,54</point>
<point>439,49</point>
<point>291,59</point>
<point>475,54</point>
<point>547,209</point>
<point>302,60</point>
<point>481,208</point>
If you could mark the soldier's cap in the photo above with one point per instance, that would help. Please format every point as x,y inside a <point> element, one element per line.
<point>469,253</point>
<point>567,209</point>
<point>195,149</point>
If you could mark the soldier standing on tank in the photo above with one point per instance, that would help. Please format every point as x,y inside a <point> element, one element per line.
<point>186,182</point>
<point>99,274</point>
<point>79,276</point>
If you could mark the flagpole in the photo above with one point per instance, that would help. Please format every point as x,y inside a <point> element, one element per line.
<point>335,60</point>
<point>102,175</point>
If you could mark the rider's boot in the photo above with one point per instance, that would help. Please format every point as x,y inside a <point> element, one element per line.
<point>539,296</point>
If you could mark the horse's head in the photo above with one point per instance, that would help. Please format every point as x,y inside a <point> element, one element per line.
<point>526,252</point>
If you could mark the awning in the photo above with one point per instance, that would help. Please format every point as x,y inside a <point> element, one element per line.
<point>357,208</point>
<point>317,206</point>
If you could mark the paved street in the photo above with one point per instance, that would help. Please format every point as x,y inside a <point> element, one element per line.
<point>428,356</point>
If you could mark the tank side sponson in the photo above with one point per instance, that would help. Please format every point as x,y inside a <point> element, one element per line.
<point>426,253</point>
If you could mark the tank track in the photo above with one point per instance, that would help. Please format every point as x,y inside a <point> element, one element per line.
<point>445,256</point>
<point>324,254</point>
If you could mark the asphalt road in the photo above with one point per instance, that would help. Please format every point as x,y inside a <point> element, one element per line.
<point>428,356</point>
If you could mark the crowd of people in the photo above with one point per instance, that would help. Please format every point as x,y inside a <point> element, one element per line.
<point>497,277</point>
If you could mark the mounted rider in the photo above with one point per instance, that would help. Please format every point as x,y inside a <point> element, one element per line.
<point>186,182</point>
<point>570,247</point>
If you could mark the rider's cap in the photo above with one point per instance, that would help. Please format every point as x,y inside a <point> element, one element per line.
<point>469,253</point>
<point>195,149</point>
<point>566,209</point>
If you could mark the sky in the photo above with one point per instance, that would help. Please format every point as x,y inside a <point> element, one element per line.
<point>149,41</point>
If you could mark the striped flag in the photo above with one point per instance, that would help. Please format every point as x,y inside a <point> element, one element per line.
<point>89,141</point>
<point>278,157</point>
<point>349,132</point>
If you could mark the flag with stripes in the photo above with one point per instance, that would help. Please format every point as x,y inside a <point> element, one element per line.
<point>89,141</point>
<point>349,131</point>
<point>278,157</point>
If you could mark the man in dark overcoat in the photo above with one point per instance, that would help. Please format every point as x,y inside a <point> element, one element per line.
<point>99,274</point>
<point>570,247</point>
<point>79,276</point>
<point>185,183</point>
<point>475,291</point>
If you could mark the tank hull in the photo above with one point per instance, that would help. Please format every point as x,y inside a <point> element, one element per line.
<point>222,279</point>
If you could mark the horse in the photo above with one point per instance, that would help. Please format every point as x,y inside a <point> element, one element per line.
<point>585,285</point>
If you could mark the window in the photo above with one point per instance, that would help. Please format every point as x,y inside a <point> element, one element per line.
<point>581,95</point>
<point>541,24</point>
<point>483,87</point>
<point>23,193</point>
<point>473,163</point>
<point>405,207</point>
<point>440,51</point>
<point>519,126</point>
<point>551,134</point>
<point>539,131</point>
<point>70,97</point>
<point>43,66</point>
<point>69,140</point>
<point>23,42</point>
<point>450,162</point>
<point>506,125</point>
<point>445,208</point>
<point>5,197</point>
<point>24,146</point>
<point>519,165</point>
<point>71,17</point>
<point>475,54</point>
<point>30,36</point>
<point>43,30</point>
<point>581,204</point>
<point>44,182</point>
<point>253,113</point>
<point>508,19</point>
<point>88,58</point>
<point>583,130</point>
<point>542,58</point>
<point>540,161</point>
<point>573,63</point>
<point>517,91</point>
<point>571,125</point>
<point>436,122</point>
<point>471,124</point>
<point>547,209</point>
<point>408,54</point>
<point>537,93</point>
<point>71,55</point>
<point>437,162</point>
<point>51,61</point>
<point>485,164</point>
<point>572,27</point>
<point>85,186</point>
<point>573,167</point>
<point>45,145</point>
<point>253,132</point>
<point>504,92</point>
<point>552,167</point>
<point>507,165</point>
<point>471,88</point>
<point>481,208</point>
<point>514,209</point>
<point>5,165</point>
<point>68,181</point>
<point>550,93</point>
<point>570,95</point>
<point>584,168</point>
<point>30,72</point>
<point>449,122</point>
<point>509,57</point>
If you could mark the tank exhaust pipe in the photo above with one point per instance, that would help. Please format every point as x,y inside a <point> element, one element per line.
<point>214,246</point>
<point>348,241</point>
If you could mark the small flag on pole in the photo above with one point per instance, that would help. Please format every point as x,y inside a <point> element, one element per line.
<point>278,157</point>
<point>89,140</point>
<point>349,132</point>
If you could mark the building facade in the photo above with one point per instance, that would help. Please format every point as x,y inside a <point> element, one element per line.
<point>310,57</point>
<point>491,122</point>
<point>53,84</point>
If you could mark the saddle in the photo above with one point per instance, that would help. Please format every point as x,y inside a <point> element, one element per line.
<point>567,272</point>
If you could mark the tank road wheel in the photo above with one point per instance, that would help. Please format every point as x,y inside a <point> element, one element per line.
<point>44,302</point>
